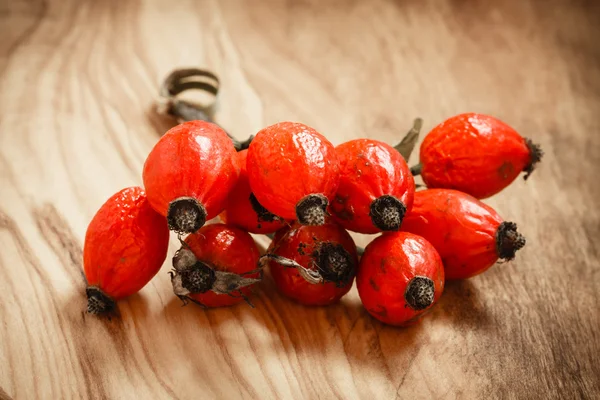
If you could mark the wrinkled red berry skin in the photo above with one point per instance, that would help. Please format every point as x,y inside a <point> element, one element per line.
<point>298,243</point>
<point>194,159</point>
<point>386,268</point>
<point>239,211</point>
<point>288,161</point>
<point>224,248</point>
<point>460,227</point>
<point>369,169</point>
<point>474,153</point>
<point>125,244</point>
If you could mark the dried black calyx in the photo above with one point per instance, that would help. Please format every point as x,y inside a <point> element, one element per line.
<point>334,263</point>
<point>198,279</point>
<point>508,240</point>
<point>190,276</point>
<point>98,301</point>
<point>312,209</point>
<point>186,215</point>
<point>387,213</point>
<point>535,156</point>
<point>419,293</point>
<point>263,214</point>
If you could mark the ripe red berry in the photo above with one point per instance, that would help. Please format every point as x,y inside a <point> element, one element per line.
<point>314,265</point>
<point>244,210</point>
<point>216,266</point>
<point>469,235</point>
<point>293,172</point>
<point>125,245</point>
<point>376,187</point>
<point>399,278</point>
<point>476,154</point>
<point>189,174</point>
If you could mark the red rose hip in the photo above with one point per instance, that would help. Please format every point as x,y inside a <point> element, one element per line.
<point>216,266</point>
<point>476,154</point>
<point>125,245</point>
<point>244,210</point>
<point>400,277</point>
<point>468,234</point>
<point>313,265</point>
<point>293,172</point>
<point>189,174</point>
<point>376,187</point>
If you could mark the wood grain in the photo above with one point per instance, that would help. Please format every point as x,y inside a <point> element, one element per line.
<point>77,84</point>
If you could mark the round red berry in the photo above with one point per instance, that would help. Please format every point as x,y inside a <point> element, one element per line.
<point>216,266</point>
<point>400,277</point>
<point>376,187</point>
<point>313,265</point>
<point>189,174</point>
<point>293,172</point>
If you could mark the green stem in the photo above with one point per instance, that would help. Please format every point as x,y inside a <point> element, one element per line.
<point>408,143</point>
<point>416,169</point>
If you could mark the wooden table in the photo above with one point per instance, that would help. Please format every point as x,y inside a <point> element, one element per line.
<point>77,87</point>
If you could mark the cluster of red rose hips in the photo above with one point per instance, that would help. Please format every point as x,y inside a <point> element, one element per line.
<point>293,182</point>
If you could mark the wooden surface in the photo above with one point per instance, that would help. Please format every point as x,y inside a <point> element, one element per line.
<point>77,85</point>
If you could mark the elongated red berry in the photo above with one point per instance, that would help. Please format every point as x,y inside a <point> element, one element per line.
<point>468,234</point>
<point>216,267</point>
<point>293,172</point>
<point>125,246</point>
<point>189,174</point>
<point>376,187</point>
<point>244,210</point>
<point>476,154</point>
<point>313,265</point>
<point>400,278</point>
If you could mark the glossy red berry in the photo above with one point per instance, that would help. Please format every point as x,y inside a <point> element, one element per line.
<point>376,187</point>
<point>216,266</point>
<point>244,210</point>
<point>468,234</point>
<point>400,278</point>
<point>476,154</point>
<point>125,245</point>
<point>189,174</point>
<point>313,265</point>
<point>293,172</point>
